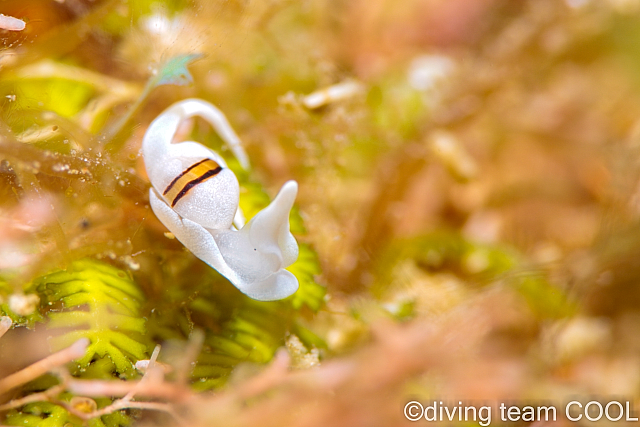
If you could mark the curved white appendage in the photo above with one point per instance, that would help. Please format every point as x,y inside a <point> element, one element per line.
<point>161,132</point>
<point>196,196</point>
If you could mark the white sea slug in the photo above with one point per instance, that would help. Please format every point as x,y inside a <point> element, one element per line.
<point>196,196</point>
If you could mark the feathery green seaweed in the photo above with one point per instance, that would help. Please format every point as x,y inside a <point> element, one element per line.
<point>99,302</point>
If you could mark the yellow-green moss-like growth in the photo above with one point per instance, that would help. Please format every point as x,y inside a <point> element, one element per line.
<point>99,302</point>
<point>47,414</point>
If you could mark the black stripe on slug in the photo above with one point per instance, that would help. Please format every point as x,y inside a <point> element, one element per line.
<point>189,185</point>
<point>186,171</point>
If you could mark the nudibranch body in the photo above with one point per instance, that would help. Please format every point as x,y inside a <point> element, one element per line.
<point>196,196</point>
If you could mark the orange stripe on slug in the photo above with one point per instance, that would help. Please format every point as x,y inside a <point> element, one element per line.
<point>189,178</point>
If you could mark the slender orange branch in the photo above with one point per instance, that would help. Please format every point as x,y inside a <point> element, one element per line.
<point>43,366</point>
<point>46,395</point>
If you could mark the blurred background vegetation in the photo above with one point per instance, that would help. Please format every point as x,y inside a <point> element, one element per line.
<point>469,202</point>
